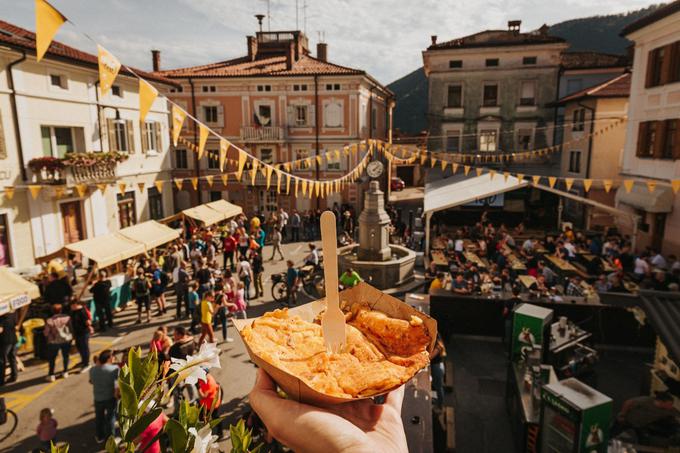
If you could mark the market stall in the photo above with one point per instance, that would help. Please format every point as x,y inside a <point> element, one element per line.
<point>15,292</point>
<point>213,212</point>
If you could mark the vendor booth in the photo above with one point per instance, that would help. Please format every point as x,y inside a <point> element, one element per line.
<point>213,212</point>
<point>15,295</point>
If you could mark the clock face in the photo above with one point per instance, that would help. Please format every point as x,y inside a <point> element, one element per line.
<point>374,169</point>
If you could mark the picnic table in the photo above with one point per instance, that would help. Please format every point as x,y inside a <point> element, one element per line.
<point>527,280</point>
<point>469,245</point>
<point>474,259</point>
<point>439,243</point>
<point>439,258</point>
<point>563,267</point>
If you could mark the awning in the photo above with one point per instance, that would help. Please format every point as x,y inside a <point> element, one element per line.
<point>15,292</point>
<point>107,249</point>
<point>204,214</point>
<point>661,200</point>
<point>152,234</point>
<point>228,210</point>
<point>451,192</point>
<point>662,309</point>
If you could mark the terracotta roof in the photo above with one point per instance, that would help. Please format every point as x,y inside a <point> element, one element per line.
<point>497,38</point>
<point>267,66</point>
<point>617,87</point>
<point>661,13</point>
<point>592,60</point>
<point>20,38</point>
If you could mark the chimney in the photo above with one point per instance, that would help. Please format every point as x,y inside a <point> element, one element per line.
<point>434,39</point>
<point>322,51</point>
<point>252,47</point>
<point>290,55</point>
<point>156,60</point>
<point>514,25</point>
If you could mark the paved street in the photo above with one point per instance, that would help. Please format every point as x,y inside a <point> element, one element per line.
<point>71,398</point>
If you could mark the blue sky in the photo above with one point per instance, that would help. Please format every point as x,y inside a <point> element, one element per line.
<point>384,37</point>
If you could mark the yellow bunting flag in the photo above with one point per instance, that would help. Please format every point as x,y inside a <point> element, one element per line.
<point>253,172</point>
<point>268,175</point>
<point>520,177</point>
<point>147,95</point>
<point>607,183</point>
<point>337,154</point>
<point>102,187</point>
<point>159,185</point>
<point>202,138</point>
<point>433,161</point>
<point>35,190</point>
<point>454,168</point>
<point>551,181</point>
<point>224,146</point>
<point>536,179</point>
<point>675,185</point>
<point>651,186</point>
<point>317,188</point>
<point>587,183</point>
<point>278,180</point>
<point>241,163</point>
<point>47,22</point>
<point>319,159</point>
<point>194,183</point>
<point>479,171</point>
<point>444,163</point>
<point>492,173</point>
<point>178,117</point>
<point>81,189</point>
<point>287,166</point>
<point>466,169</point>
<point>178,183</point>
<point>506,175</point>
<point>628,184</point>
<point>296,186</point>
<point>9,192</point>
<point>225,179</point>
<point>568,182</point>
<point>108,69</point>
<point>122,187</point>
<point>59,191</point>
<point>288,184</point>
<point>304,187</point>
<point>209,179</point>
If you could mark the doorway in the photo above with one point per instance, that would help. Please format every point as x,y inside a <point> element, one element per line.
<point>658,231</point>
<point>72,221</point>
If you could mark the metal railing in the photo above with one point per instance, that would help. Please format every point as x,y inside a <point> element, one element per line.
<point>262,134</point>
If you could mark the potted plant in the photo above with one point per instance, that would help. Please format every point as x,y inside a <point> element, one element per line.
<point>47,168</point>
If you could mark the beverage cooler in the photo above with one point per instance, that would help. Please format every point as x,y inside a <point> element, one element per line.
<point>575,418</point>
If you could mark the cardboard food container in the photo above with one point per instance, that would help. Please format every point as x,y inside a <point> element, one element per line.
<point>363,294</point>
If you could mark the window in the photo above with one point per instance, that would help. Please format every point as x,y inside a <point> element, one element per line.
<point>488,140</point>
<point>213,156</point>
<point>529,60</point>
<point>181,158</point>
<point>646,139</point>
<point>263,115</point>
<point>208,88</point>
<point>300,115</point>
<point>453,141</point>
<point>176,90</point>
<point>268,202</point>
<point>490,62</point>
<point>215,195</point>
<point>578,120</point>
<point>300,87</point>
<point>264,88</point>
<point>126,209</point>
<point>333,163</point>
<point>5,241</point>
<point>490,95</point>
<point>663,65</point>
<point>332,87</point>
<point>210,113</point>
<point>574,85</point>
<point>58,141</point>
<point>528,93</point>
<point>455,64</point>
<point>574,161</point>
<point>58,80</point>
<point>116,91</point>
<point>266,155</point>
<point>155,203</point>
<point>655,68</point>
<point>333,114</point>
<point>455,96</point>
<point>670,140</point>
<point>151,136</point>
<point>659,139</point>
<point>374,118</point>
<point>525,138</point>
<point>301,153</point>
<point>121,135</point>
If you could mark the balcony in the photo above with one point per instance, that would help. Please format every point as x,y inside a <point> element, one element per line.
<point>453,112</point>
<point>262,134</point>
<point>76,168</point>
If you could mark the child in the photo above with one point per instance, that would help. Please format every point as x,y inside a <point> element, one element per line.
<point>47,429</point>
<point>207,311</point>
<point>192,302</point>
<point>239,309</point>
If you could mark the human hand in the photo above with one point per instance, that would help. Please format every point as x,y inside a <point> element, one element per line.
<point>360,426</point>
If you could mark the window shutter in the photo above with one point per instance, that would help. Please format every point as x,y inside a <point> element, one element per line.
<point>142,135</point>
<point>291,115</point>
<point>129,128</point>
<point>220,115</point>
<point>651,56</point>
<point>312,115</point>
<point>659,136</point>
<point>111,133</point>
<point>676,147</point>
<point>667,66</point>
<point>159,141</point>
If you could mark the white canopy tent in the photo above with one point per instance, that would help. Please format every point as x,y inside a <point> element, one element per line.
<point>15,292</point>
<point>213,212</point>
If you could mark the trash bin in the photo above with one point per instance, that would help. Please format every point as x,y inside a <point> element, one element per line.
<point>29,325</point>
<point>39,343</point>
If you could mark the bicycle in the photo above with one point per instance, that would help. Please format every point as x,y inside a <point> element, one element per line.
<point>8,421</point>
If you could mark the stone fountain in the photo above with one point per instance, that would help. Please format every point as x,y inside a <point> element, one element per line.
<point>379,263</point>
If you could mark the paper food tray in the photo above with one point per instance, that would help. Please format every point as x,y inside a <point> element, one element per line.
<point>363,294</point>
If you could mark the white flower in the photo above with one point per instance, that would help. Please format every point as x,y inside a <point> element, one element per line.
<point>204,440</point>
<point>193,367</point>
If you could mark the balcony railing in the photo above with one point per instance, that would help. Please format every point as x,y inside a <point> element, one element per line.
<point>99,172</point>
<point>262,134</point>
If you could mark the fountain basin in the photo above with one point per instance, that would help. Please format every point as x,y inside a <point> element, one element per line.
<point>391,273</point>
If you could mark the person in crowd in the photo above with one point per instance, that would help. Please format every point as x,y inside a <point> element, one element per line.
<point>437,370</point>
<point>602,284</point>
<point>159,282</point>
<point>657,260</point>
<point>243,242</point>
<point>193,302</point>
<point>196,257</point>
<point>104,380</point>
<point>207,312</point>
<point>204,278</point>
<point>222,306</point>
<point>81,323</point>
<point>181,288</point>
<point>8,341</point>
<point>283,222</point>
<point>460,285</point>
<point>182,346</point>
<point>439,282</point>
<point>574,287</point>
<point>643,413</point>
<point>260,236</point>
<point>350,278</point>
<point>276,244</point>
<point>47,429</point>
<point>258,272</point>
<point>59,334</point>
<point>312,259</point>
<point>141,287</point>
<point>160,343</point>
<point>228,250</point>
<point>58,290</point>
<point>239,303</point>
<point>101,293</point>
<point>295,224</point>
<point>641,268</point>
<point>210,399</point>
<point>245,274</point>
<point>148,441</point>
<point>292,282</point>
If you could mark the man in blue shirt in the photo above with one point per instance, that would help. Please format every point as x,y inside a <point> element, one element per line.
<point>192,304</point>
<point>292,279</point>
<point>104,380</point>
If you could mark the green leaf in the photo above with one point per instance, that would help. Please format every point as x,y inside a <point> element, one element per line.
<point>128,400</point>
<point>141,424</point>
<point>111,446</point>
<point>189,415</point>
<point>177,434</point>
<point>135,365</point>
<point>241,438</point>
<point>63,448</point>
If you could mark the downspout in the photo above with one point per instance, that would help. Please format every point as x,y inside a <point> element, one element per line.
<point>15,114</point>
<point>316,129</point>
<point>590,153</point>
<point>197,162</point>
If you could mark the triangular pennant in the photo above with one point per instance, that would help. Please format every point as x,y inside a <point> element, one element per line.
<point>224,146</point>
<point>241,163</point>
<point>225,179</point>
<point>140,186</point>
<point>296,186</point>
<point>108,69</point>
<point>506,175</point>
<point>122,187</point>
<point>147,96</point>
<point>433,161</point>
<point>551,181</point>
<point>178,117</point>
<point>253,171</point>
<point>47,22</point>
<point>59,191</point>
<point>675,185</point>
<point>317,188</point>
<point>444,163</point>
<point>304,187</point>
<point>587,183</point>
<point>466,169</point>
<point>607,183</point>
<point>568,183</point>
<point>651,186</point>
<point>178,183</point>
<point>102,187</point>
<point>287,166</point>
<point>209,179</point>
<point>194,183</point>
<point>479,171</point>
<point>278,180</point>
<point>628,184</point>
<point>536,179</point>
<point>492,174</point>
<point>81,189</point>
<point>159,185</point>
<point>520,177</point>
<point>268,175</point>
<point>203,133</point>
<point>35,190</point>
<point>454,168</point>
<point>319,159</point>
<point>9,192</point>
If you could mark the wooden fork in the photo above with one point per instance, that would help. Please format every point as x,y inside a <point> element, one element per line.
<point>333,321</point>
